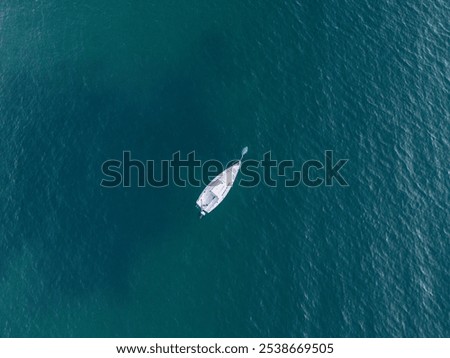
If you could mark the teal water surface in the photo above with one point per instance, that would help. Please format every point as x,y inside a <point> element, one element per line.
<point>82,81</point>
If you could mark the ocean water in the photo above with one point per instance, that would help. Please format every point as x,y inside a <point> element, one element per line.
<point>82,81</point>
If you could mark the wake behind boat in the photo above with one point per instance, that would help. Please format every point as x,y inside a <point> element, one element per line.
<point>219,187</point>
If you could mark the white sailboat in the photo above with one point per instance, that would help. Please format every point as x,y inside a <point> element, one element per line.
<point>219,187</point>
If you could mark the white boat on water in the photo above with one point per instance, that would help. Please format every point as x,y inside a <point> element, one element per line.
<point>219,187</point>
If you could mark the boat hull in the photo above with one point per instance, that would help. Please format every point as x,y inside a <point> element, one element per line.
<point>217,189</point>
